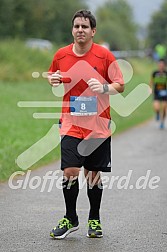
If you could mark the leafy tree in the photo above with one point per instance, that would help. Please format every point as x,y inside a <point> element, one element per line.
<point>157,30</point>
<point>6,17</point>
<point>116,25</point>
<point>40,18</point>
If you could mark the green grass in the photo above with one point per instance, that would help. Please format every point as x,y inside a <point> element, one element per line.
<point>19,130</point>
<point>18,61</point>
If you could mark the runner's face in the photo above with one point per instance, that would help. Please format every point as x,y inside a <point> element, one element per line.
<point>161,66</point>
<point>82,31</point>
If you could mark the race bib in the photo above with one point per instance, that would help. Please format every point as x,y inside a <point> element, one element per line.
<point>83,105</point>
<point>162,93</point>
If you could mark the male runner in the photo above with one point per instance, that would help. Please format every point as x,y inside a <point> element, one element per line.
<point>159,85</point>
<point>85,121</point>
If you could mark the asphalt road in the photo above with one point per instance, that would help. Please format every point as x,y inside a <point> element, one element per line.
<point>133,220</point>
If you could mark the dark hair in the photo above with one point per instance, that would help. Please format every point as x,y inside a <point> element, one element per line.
<point>162,60</point>
<point>85,14</point>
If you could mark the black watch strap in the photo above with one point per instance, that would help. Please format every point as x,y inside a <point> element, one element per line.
<point>105,88</point>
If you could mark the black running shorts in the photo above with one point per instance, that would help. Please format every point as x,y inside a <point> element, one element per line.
<point>157,98</point>
<point>92,154</point>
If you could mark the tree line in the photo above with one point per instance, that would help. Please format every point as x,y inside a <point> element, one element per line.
<point>38,18</point>
<point>51,20</point>
<point>157,30</point>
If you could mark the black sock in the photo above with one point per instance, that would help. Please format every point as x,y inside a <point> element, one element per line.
<point>95,195</point>
<point>164,115</point>
<point>70,191</point>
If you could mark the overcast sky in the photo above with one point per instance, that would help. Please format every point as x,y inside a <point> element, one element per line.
<point>143,9</point>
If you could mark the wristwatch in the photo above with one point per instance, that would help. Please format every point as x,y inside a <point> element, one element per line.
<point>105,88</point>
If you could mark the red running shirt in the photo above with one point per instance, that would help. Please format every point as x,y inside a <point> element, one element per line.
<point>97,63</point>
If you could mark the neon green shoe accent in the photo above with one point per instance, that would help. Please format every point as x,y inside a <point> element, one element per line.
<point>64,222</point>
<point>94,229</point>
<point>64,227</point>
<point>94,224</point>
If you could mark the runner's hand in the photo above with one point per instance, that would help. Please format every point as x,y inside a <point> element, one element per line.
<point>55,79</point>
<point>95,85</point>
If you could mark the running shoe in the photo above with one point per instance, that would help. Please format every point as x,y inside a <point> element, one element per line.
<point>162,125</point>
<point>94,229</point>
<point>64,227</point>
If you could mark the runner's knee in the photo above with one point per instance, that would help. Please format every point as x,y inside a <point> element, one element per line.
<point>92,177</point>
<point>71,173</point>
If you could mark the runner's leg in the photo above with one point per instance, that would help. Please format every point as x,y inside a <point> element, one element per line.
<point>70,191</point>
<point>164,107</point>
<point>163,113</point>
<point>94,192</point>
<point>156,106</point>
